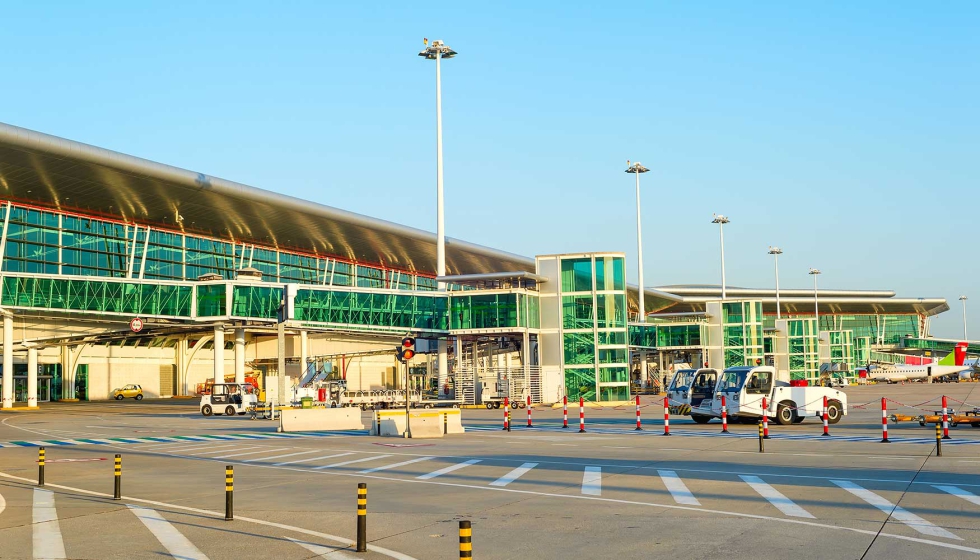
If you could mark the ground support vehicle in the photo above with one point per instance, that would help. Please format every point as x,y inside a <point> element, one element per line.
<point>128,392</point>
<point>744,388</point>
<point>334,394</point>
<point>229,399</point>
<point>691,393</point>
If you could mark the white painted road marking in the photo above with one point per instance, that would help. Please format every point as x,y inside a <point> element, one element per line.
<point>513,475</point>
<point>324,551</point>
<point>901,514</point>
<point>371,458</point>
<point>224,450</point>
<point>956,491</point>
<point>448,469</point>
<point>176,544</point>
<point>776,497</point>
<point>47,540</point>
<point>395,465</point>
<point>678,489</point>
<point>313,459</point>
<point>592,481</point>
<point>281,456</point>
<point>3,503</point>
<point>264,450</point>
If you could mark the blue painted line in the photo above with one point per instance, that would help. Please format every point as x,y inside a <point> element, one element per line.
<point>59,442</point>
<point>23,443</point>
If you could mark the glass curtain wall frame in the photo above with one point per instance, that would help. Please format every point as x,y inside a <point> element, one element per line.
<point>742,333</point>
<point>842,352</point>
<point>44,241</point>
<point>803,349</point>
<point>595,353</point>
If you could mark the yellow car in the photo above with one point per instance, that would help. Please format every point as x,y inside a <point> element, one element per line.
<point>128,392</point>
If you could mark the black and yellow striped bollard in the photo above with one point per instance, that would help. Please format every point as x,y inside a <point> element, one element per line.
<point>40,466</point>
<point>117,490</point>
<point>939,440</point>
<point>361,517</point>
<point>229,490</point>
<point>465,540</point>
<point>762,440</point>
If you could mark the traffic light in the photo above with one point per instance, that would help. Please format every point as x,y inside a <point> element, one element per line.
<point>405,352</point>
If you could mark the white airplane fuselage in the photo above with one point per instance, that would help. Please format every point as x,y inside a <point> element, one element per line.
<point>913,373</point>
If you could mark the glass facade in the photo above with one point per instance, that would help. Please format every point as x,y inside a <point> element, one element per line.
<point>392,311</point>
<point>742,333</point>
<point>98,296</point>
<point>668,335</point>
<point>891,329</point>
<point>47,242</point>
<point>595,354</point>
<point>802,349</point>
<point>934,344</point>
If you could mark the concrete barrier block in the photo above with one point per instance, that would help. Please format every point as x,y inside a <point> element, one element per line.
<point>453,422</point>
<point>320,419</point>
<point>426,425</point>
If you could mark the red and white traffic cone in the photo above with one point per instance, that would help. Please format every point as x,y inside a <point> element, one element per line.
<point>826,418</point>
<point>945,420</point>
<point>884,421</point>
<point>564,411</point>
<point>638,425</point>
<point>765,419</point>
<point>666,418</point>
<point>507,414</point>
<point>724,415</point>
<point>529,412</point>
<point>581,415</point>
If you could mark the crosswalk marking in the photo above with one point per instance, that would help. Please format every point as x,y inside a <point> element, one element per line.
<point>678,489</point>
<point>776,497</point>
<point>513,475</point>
<point>224,449</point>
<point>307,460</point>
<point>261,450</point>
<point>448,469</point>
<point>395,465</point>
<point>280,456</point>
<point>371,458</point>
<point>321,551</point>
<point>47,541</point>
<point>959,492</point>
<point>176,544</point>
<point>899,513</point>
<point>592,481</point>
<point>3,503</point>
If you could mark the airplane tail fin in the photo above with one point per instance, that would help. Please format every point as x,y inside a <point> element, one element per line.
<point>956,357</point>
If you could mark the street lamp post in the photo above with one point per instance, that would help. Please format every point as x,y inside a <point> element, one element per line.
<point>438,51</point>
<point>721,220</point>
<point>963,299</point>
<point>775,252</point>
<point>637,169</point>
<point>816,309</point>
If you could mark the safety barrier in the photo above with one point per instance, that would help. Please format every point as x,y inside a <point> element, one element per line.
<point>40,466</point>
<point>117,476</point>
<point>581,415</point>
<point>724,415</point>
<point>639,426</point>
<point>361,517</point>
<point>564,411</point>
<point>320,419</point>
<point>884,421</point>
<point>945,420</point>
<point>666,418</point>
<point>229,492</point>
<point>529,412</point>
<point>765,419</point>
<point>465,540</point>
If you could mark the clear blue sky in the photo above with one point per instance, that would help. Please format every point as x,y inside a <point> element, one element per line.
<point>844,132</point>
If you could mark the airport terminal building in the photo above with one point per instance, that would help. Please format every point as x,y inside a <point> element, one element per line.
<point>118,270</point>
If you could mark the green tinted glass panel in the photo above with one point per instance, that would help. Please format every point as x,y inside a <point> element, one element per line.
<point>609,338</point>
<point>256,301</point>
<point>487,311</point>
<point>611,311</point>
<point>612,356</point>
<point>580,382</point>
<point>97,296</point>
<point>620,393</point>
<point>211,300</point>
<point>576,275</point>
<point>613,375</point>
<point>579,348</point>
<point>609,274</point>
<point>577,312</point>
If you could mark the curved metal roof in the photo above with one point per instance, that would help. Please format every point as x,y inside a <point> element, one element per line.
<point>49,171</point>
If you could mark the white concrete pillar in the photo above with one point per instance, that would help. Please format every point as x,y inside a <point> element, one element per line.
<point>643,369</point>
<point>239,355</point>
<point>8,361</point>
<point>304,353</point>
<point>32,377</point>
<point>180,358</point>
<point>219,354</point>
